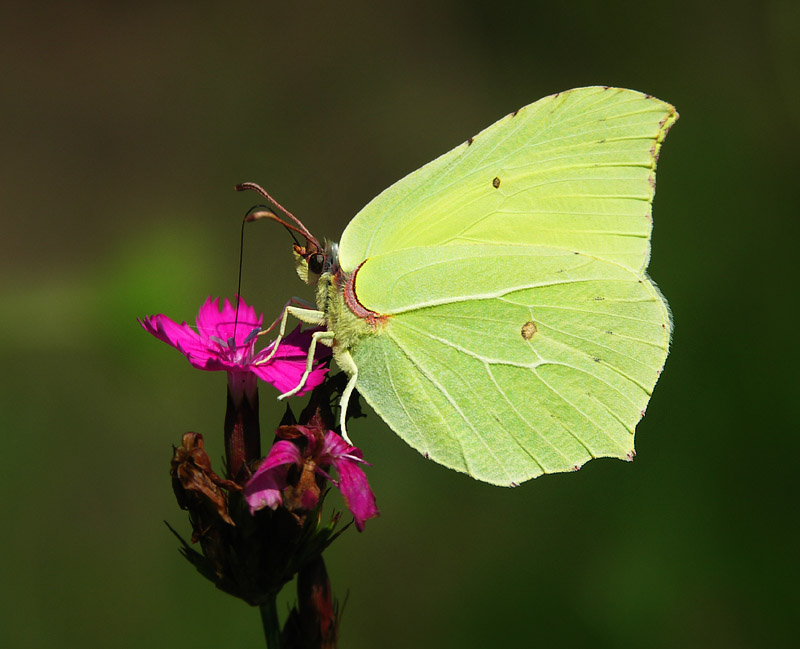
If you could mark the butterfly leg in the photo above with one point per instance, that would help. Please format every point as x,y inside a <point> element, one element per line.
<point>293,301</point>
<point>310,316</point>
<point>326,338</point>
<point>346,362</point>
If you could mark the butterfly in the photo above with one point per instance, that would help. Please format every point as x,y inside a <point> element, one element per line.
<point>493,307</point>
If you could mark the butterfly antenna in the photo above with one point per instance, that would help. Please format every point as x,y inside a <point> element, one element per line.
<point>239,280</point>
<point>259,212</point>
<point>256,213</point>
<point>252,216</point>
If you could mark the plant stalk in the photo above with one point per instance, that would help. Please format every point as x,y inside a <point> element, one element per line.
<point>269,619</point>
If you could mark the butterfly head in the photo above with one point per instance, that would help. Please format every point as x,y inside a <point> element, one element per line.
<point>312,260</point>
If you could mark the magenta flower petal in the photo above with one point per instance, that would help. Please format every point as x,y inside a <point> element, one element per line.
<point>219,345</point>
<point>352,481</point>
<point>311,449</point>
<point>289,363</point>
<point>169,331</point>
<point>282,452</point>
<point>213,321</point>
<point>268,491</point>
<point>185,339</point>
<point>265,487</point>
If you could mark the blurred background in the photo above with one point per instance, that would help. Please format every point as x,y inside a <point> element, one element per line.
<point>125,127</point>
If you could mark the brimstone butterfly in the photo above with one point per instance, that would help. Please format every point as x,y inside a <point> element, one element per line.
<point>493,306</point>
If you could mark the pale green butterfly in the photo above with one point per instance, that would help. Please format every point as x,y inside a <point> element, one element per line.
<point>493,307</point>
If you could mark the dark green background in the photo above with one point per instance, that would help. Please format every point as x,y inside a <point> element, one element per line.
<point>125,128</point>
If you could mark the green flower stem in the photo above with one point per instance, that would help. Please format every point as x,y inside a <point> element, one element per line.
<point>269,618</point>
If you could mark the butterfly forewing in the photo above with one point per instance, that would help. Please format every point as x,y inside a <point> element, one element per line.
<point>574,171</point>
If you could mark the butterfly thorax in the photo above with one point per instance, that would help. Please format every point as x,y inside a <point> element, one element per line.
<point>346,326</point>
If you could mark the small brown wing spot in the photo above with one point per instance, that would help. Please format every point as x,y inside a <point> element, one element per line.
<point>652,180</point>
<point>576,467</point>
<point>630,456</point>
<point>470,141</point>
<point>496,182</point>
<point>528,329</point>
<point>514,114</point>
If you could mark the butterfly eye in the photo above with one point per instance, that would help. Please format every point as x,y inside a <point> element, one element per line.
<point>316,263</point>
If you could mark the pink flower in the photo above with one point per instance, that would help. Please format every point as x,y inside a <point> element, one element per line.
<point>218,345</point>
<point>294,473</point>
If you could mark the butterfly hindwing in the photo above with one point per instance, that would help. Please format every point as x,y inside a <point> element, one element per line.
<point>526,362</point>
